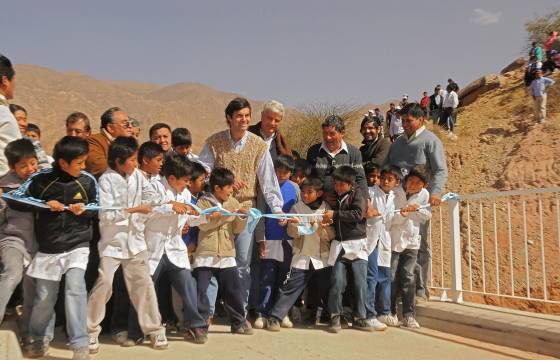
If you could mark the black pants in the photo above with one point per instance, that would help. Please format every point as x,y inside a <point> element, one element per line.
<point>230,287</point>
<point>403,280</point>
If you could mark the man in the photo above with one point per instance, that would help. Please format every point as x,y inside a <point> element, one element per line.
<point>135,128</point>
<point>552,36</point>
<point>419,146</point>
<point>114,123</point>
<point>435,105</point>
<point>539,87</point>
<point>77,124</point>
<point>424,101</point>
<point>390,114</point>
<point>9,130</point>
<point>332,153</point>
<point>536,51</point>
<point>268,129</point>
<point>404,100</point>
<point>160,133</point>
<point>375,148</point>
<point>248,157</point>
<point>450,104</point>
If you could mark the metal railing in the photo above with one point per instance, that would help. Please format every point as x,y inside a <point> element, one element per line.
<point>498,244</point>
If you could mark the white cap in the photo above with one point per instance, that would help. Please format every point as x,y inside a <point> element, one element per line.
<point>405,96</point>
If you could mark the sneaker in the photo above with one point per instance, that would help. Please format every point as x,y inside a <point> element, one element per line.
<point>133,342</point>
<point>120,337</point>
<point>260,323</point>
<point>36,349</point>
<point>410,322</point>
<point>93,345</point>
<point>376,324</point>
<point>245,329</point>
<point>362,324</point>
<point>197,335</point>
<point>334,326</point>
<point>286,323</point>
<point>159,341</point>
<point>273,324</point>
<point>81,354</point>
<point>389,320</point>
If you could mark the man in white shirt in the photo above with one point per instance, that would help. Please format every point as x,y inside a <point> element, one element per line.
<point>9,130</point>
<point>450,104</point>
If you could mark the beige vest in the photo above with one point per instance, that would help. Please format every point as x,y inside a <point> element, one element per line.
<point>243,164</point>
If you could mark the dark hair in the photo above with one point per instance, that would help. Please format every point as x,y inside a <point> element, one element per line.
<point>235,105</point>
<point>16,107</point>
<point>177,165</point>
<point>149,150</point>
<point>107,117</point>
<point>421,172</point>
<point>181,137</point>
<point>33,128</point>
<point>370,166</point>
<point>375,120</point>
<point>334,121</point>
<point>120,150</point>
<point>221,177</point>
<point>303,166</point>
<point>77,116</point>
<point>394,170</point>
<point>197,170</point>
<point>314,181</point>
<point>18,150</point>
<point>156,127</point>
<point>70,148</point>
<point>6,68</point>
<point>414,109</point>
<point>284,162</point>
<point>345,174</point>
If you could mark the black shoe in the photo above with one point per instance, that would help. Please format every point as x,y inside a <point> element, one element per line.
<point>334,326</point>
<point>36,349</point>
<point>245,329</point>
<point>197,335</point>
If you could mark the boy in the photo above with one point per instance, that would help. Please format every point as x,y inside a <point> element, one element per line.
<point>350,250</point>
<point>302,169</point>
<point>181,140</point>
<point>275,251</point>
<point>17,244</point>
<point>310,251</point>
<point>122,243</point>
<point>33,133</point>
<point>215,253</point>
<point>63,234</point>
<point>405,241</point>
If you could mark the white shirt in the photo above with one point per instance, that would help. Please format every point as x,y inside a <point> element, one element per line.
<point>122,234</point>
<point>343,146</point>
<point>9,131</point>
<point>451,100</point>
<point>265,172</point>
<point>163,231</point>
<point>53,266</point>
<point>378,227</point>
<point>405,231</point>
<point>416,133</point>
<point>396,126</point>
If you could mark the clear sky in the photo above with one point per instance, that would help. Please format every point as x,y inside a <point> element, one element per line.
<point>296,51</point>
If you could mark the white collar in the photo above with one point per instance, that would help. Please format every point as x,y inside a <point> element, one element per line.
<point>265,138</point>
<point>416,133</point>
<point>241,141</point>
<point>333,154</point>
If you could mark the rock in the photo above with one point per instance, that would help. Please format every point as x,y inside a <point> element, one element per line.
<point>472,91</point>
<point>530,242</point>
<point>516,64</point>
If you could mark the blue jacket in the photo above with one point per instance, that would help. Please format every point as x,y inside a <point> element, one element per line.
<point>272,229</point>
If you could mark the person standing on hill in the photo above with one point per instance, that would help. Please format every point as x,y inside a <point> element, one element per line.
<point>450,104</point>
<point>539,87</point>
<point>425,100</point>
<point>435,105</point>
<point>375,147</point>
<point>535,51</point>
<point>552,37</point>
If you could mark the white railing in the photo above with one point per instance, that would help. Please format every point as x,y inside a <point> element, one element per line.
<point>501,245</point>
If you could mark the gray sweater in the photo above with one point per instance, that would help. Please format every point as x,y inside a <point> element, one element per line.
<point>425,148</point>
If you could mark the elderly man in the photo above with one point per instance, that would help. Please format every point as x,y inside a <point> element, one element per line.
<point>332,153</point>
<point>419,146</point>
<point>375,147</point>
<point>77,124</point>
<point>248,157</point>
<point>268,129</point>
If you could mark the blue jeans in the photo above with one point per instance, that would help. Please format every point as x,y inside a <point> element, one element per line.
<point>383,291</point>
<point>272,275</point>
<point>243,252</point>
<point>371,284</point>
<point>338,285</point>
<point>212,293</point>
<point>75,297</point>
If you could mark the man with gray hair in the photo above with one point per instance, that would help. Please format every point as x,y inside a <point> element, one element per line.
<point>269,129</point>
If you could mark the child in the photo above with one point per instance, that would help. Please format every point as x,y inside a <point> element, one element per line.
<point>350,249</point>
<point>196,188</point>
<point>215,253</point>
<point>167,253</point>
<point>17,243</point>
<point>63,240</point>
<point>33,133</point>
<point>310,251</point>
<point>122,243</point>
<point>380,214</point>
<point>396,129</point>
<point>405,241</point>
<point>275,251</point>
<point>302,169</point>
<point>181,140</point>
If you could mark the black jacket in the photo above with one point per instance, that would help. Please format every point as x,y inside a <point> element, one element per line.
<point>375,151</point>
<point>58,232</point>
<point>349,221</point>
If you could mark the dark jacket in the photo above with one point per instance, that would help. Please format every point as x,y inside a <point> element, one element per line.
<point>375,151</point>
<point>279,146</point>
<point>58,232</point>
<point>349,212</point>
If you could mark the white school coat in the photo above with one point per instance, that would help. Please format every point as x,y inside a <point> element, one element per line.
<point>378,227</point>
<point>122,234</point>
<point>405,231</point>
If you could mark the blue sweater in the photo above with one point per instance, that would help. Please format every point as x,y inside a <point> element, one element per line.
<point>191,237</point>
<point>272,229</point>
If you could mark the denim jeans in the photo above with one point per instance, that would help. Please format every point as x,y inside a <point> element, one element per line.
<point>435,116</point>
<point>212,293</point>
<point>424,259</point>
<point>383,291</point>
<point>75,296</point>
<point>338,285</point>
<point>402,269</point>
<point>243,253</point>
<point>371,284</point>
<point>11,274</point>
<point>272,275</point>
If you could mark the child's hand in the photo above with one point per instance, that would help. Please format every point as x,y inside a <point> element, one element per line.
<point>262,249</point>
<point>180,208</point>
<point>77,209</point>
<point>191,248</point>
<point>413,207</point>
<point>142,209</point>
<point>55,206</point>
<point>243,211</point>
<point>328,217</point>
<point>282,221</point>
<point>404,211</point>
<point>293,220</point>
<point>214,215</point>
<point>371,211</point>
<point>185,229</point>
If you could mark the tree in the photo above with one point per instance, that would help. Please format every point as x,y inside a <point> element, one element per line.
<point>539,28</point>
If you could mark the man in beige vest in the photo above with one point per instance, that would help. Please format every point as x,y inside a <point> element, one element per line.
<point>248,157</point>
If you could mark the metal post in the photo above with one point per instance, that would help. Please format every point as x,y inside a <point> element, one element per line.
<point>455,237</point>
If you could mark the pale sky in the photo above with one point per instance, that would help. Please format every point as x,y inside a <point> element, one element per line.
<point>297,52</point>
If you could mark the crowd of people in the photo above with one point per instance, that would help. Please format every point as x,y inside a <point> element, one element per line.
<point>169,235</point>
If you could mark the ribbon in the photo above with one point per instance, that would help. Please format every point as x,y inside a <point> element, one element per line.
<point>446,197</point>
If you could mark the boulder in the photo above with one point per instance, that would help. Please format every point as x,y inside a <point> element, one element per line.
<point>472,91</point>
<point>518,63</point>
